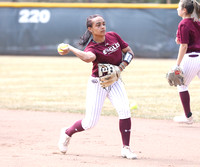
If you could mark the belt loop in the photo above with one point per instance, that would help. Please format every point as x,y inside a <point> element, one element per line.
<point>193,55</point>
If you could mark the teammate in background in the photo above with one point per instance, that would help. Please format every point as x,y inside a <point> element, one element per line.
<point>188,36</point>
<point>104,47</point>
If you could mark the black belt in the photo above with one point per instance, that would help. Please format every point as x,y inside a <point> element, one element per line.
<point>193,55</point>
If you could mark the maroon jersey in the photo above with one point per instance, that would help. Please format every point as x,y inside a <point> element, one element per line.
<point>189,33</point>
<point>109,51</point>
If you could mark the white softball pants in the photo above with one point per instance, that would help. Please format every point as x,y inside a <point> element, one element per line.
<point>191,68</point>
<point>96,96</point>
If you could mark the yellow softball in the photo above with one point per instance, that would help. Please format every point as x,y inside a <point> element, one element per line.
<point>62,46</point>
<point>133,106</point>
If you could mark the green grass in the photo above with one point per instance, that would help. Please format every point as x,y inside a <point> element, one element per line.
<point>59,84</point>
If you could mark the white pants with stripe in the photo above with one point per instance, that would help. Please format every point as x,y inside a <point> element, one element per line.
<point>191,68</point>
<point>96,96</point>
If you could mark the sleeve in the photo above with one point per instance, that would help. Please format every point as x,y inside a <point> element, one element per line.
<point>183,33</point>
<point>89,49</point>
<point>178,35</point>
<point>122,43</point>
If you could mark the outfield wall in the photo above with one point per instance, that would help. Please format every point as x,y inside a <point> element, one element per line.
<point>37,28</point>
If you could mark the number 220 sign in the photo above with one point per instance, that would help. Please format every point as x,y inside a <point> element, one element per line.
<point>34,16</point>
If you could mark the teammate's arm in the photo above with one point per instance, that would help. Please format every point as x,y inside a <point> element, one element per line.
<point>181,53</point>
<point>177,41</point>
<point>85,56</point>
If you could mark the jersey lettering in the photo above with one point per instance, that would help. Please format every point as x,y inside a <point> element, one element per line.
<point>111,49</point>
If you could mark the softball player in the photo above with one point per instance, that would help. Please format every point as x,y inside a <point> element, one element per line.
<point>104,47</point>
<point>188,36</point>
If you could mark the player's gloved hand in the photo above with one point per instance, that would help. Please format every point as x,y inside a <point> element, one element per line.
<point>175,76</point>
<point>108,74</point>
<point>63,49</point>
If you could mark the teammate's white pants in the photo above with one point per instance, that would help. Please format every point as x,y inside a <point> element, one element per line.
<point>191,68</point>
<point>96,96</point>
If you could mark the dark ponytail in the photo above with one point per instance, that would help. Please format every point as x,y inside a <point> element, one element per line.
<point>196,10</point>
<point>86,36</point>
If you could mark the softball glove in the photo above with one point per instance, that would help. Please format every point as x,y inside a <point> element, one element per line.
<point>175,77</point>
<point>108,74</point>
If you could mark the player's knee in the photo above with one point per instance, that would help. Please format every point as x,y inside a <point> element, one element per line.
<point>88,124</point>
<point>124,114</point>
<point>182,88</point>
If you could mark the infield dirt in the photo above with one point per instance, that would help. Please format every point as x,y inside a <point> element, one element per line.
<point>29,138</point>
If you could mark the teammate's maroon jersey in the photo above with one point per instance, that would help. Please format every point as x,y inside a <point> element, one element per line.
<point>189,33</point>
<point>108,51</point>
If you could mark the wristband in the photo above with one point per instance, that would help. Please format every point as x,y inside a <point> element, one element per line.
<point>128,57</point>
<point>122,66</point>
